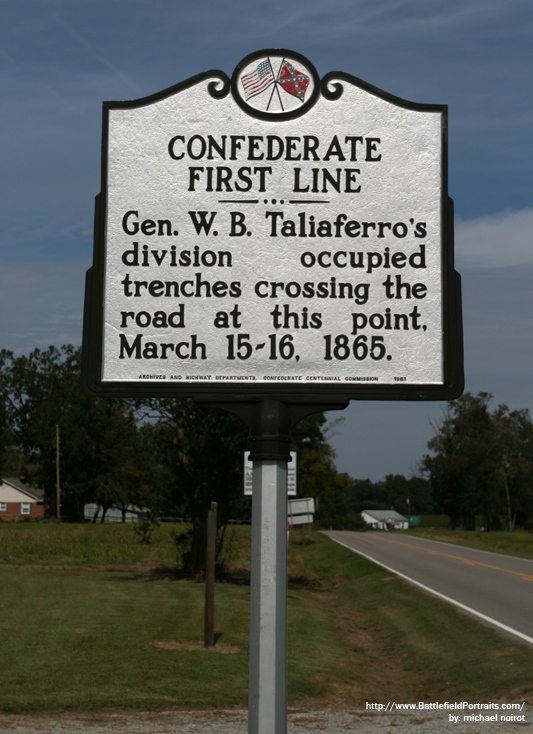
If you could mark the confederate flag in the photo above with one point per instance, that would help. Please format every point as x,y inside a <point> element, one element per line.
<point>293,81</point>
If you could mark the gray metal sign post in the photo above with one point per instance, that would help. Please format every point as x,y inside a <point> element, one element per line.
<point>270,425</point>
<point>267,692</point>
<point>270,435</point>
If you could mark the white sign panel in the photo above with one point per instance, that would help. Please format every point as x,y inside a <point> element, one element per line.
<point>301,519</point>
<point>275,232</point>
<point>291,474</point>
<point>302,506</point>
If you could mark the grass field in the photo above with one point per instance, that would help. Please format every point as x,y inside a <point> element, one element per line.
<point>92,619</point>
<point>47,543</point>
<point>517,543</point>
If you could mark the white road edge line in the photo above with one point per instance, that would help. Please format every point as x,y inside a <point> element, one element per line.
<point>510,630</point>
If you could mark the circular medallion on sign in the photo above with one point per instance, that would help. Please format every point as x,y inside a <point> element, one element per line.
<point>275,84</point>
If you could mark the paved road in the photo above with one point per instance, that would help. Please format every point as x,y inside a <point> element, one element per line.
<point>497,589</point>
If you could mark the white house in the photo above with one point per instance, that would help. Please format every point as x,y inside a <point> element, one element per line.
<point>385,519</point>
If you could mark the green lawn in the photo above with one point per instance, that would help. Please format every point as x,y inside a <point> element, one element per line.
<point>47,543</point>
<point>81,639</point>
<point>99,635</point>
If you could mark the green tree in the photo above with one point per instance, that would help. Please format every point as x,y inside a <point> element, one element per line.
<point>5,432</point>
<point>317,474</point>
<point>514,431</point>
<point>100,457</point>
<point>340,506</point>
<point>352,496</point>
<point>200,455</point>
<point>315,457</point>
<point>481,462</point>
<point>406,495</point>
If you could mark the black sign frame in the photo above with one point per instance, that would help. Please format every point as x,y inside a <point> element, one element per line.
<point>305,393</point>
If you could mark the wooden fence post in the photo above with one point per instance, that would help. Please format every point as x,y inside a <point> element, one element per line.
<point>210,556</point>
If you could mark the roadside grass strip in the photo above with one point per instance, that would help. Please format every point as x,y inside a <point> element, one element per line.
<point>517,543</point>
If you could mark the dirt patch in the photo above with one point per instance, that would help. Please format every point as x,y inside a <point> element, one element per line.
<point>221,647</point>
<point>367,671</point>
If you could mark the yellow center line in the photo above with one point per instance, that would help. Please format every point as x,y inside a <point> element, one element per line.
<point>468,562</point>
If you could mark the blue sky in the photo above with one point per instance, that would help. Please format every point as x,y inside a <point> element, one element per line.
<point>62,58</point>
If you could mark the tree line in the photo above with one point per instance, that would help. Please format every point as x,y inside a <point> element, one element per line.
<point>169,456</point>
<point>479,470</point>
<point>174,457</point>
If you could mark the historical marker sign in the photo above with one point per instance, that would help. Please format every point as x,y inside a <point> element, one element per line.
<point>274,234</point>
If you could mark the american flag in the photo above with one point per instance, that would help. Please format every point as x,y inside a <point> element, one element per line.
<point>258,80</point>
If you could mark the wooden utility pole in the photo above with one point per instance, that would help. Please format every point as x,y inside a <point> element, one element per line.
<point>210,557</point>
<point>58,485</point>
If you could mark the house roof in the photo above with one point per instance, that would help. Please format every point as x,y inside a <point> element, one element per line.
<point>15,483</point>
<point>386,515</point>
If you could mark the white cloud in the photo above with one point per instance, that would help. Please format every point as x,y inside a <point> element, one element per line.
<point>494,241</point>
<point>337,19</point>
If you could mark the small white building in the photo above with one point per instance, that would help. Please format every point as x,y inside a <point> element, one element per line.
<point>93,513</point>
<point>385,519</point>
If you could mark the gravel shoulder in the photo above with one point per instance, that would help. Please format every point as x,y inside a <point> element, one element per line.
<point>235,722</point>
